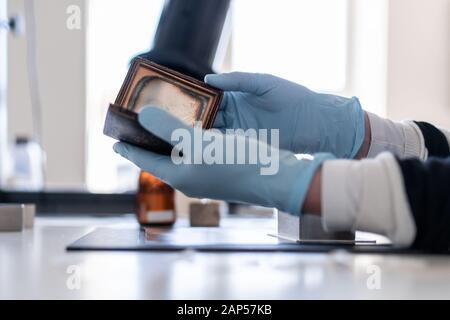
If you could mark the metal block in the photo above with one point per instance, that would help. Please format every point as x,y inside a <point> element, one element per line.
<point>12,218</point>
<point>308,228</point>
<point>204,214</point>
<point>29,213</point>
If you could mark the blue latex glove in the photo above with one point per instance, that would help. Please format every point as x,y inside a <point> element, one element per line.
<point>309,122</point>
<point>284,190</point>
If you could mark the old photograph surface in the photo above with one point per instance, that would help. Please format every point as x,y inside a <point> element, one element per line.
<point>186,105</point>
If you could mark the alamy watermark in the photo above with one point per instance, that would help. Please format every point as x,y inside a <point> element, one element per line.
<point>235,147</point>
<point>73,281</point>
<point>73,21</point>
<point>373,281</point>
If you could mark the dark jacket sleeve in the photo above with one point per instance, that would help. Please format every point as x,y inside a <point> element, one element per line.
<point>427,186</point>
<point>435,140</point>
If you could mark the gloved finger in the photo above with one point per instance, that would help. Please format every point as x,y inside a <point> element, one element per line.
<point>219,123</point>
<point>161,123</point>
<point>158,165</point>
<point>237,81</point>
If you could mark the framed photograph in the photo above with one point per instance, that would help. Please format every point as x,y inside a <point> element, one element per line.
<point>186,98</point>
<point>148,83</point>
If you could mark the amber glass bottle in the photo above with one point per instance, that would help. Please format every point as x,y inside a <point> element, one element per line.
<point>155,202</point>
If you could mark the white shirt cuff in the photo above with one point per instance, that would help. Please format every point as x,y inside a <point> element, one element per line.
<point>367,195</point>
<point>403,139</point>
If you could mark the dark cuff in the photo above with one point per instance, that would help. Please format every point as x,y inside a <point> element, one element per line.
<point>435,141</point>
<point>427,186</point>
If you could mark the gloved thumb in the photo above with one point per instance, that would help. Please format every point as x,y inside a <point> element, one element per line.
<point>160,122</point>
<point>237,81</point>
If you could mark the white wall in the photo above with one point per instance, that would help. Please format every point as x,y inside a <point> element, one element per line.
<point>418,79</point>
<point>61,67</point>
<point>367,60</point>
<point>3,115</point>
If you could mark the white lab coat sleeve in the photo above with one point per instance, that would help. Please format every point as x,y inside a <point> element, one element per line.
<point>404,139</point>
<point>367,195</point>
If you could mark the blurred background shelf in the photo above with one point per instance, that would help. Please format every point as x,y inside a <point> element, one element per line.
<point>73,202</point>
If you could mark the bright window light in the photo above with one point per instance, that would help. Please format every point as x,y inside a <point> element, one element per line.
<point>117,32</point>
<point>301,40</point>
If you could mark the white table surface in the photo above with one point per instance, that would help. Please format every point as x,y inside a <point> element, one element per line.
<point>35,265</point>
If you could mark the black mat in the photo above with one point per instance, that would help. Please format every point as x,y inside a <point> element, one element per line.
<point>206,240</point>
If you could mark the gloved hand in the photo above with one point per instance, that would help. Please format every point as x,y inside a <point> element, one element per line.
<point>285,189</point>
<point>308,122</point>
